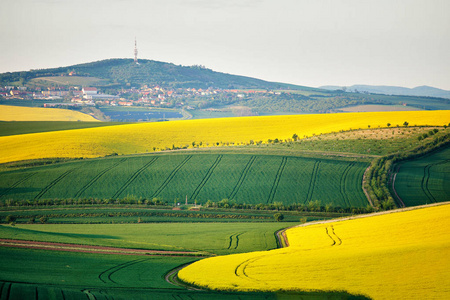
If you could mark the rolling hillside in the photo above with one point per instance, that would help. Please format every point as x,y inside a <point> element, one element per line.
<point>120,72</point>
<point>401,255</point>
<point>150,137</point>
<point>240,178</point>
<point>18,113</point>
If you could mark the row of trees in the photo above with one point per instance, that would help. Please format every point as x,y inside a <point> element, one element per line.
<point>311,206</point>
<point>129,200</point>
<point>11,219</point>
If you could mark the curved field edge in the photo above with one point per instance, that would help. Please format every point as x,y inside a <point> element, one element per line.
<point>22,113</point>
<point>399,254</point>
<point>148,137</point>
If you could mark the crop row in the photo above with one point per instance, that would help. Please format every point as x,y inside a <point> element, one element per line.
<point>200,177</point>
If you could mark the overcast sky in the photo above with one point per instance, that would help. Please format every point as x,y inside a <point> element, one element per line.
<point>305,42</point>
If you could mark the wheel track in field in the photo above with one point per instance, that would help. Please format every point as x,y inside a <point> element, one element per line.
<point>236,235</point>
<point>17,183</point>
<point>5,290</point>
<point>97,177</point>
<point>242,177</point>
<point>240,270</point>
<point>133,177</point>
<point>333,236</point>
<point>206,177</point>
<point>105,276</point>
<point>312,182</point>
<point>171,176</point>
<point>426,178</point>
<point>274,188</point>
<point>343,180</point>
<point>53,183</point>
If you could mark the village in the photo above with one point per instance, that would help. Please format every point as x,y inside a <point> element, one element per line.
<point>154,96</point>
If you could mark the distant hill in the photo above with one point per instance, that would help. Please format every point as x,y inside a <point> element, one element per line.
<point>114,76</point>
<point>124,72</point>
<point>423,91</point>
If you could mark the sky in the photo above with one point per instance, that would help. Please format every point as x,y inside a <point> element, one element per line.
<point>305,42</point>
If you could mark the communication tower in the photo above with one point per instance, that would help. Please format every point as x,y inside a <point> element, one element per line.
<point>135,51</point>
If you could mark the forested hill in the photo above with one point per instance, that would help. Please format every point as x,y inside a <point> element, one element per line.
<point>124,72</point>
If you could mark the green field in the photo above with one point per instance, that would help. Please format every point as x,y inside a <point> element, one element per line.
<point>67,80</point>
<point>244,178</point>
<point>40,274</point>
<point>210,237</point>
<point>24,127</point>
<point>424,180</point>
<point>43,275</point>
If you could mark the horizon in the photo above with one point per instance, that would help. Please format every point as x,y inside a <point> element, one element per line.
<point>341,43</point>
<point>326,85</point>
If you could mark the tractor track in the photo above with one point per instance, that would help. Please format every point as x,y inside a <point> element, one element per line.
<point>242,177</point>
<point>133,177</point>
<point>274,188</point>
<point>170,177</point>
<point>97,177</point>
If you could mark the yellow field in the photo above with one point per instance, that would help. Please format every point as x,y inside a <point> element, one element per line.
<point>142,137</point>
<point>20,113</point>
<point>402,255</point>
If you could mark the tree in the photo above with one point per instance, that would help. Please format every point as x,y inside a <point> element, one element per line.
<point>43,220</point>
<point>388,124</point>
<point>278,217</point>
<point>405,124</point>
<point>295,137</point>
<point>10,219</point>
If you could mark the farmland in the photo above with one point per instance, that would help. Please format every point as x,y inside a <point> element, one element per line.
<point>244,178</point>
<point>40,274</point>
<point>16,113</point>
<point>241,171</point>
<point>24,127</point>
<point>424,180</point>
<point>149,137</point>
<point>211,238</point>
<point>379,256</point>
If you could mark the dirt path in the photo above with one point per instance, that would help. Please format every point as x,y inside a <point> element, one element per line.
<point>90,249</point>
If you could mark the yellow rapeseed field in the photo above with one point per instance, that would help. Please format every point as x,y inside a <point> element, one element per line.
<point>401,255</point>
<point>20,113</point>
<point>144,137</point>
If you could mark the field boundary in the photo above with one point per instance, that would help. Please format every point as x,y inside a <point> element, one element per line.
<point>92,249</point>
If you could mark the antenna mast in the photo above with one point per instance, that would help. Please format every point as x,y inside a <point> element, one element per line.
<point>135,51</point>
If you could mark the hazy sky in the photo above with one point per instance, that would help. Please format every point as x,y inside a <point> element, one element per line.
<point>305,42</point>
